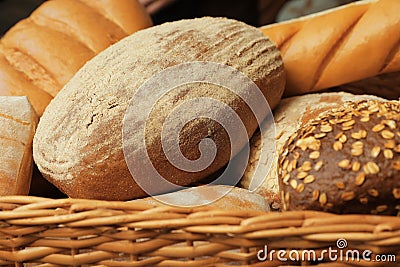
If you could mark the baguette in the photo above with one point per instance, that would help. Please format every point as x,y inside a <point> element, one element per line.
<point>339,46</point>
<point>130,15</point>
<point>88,26</point>
<point>16,134</point>
<point>44,45</point>
<point>48,48</point>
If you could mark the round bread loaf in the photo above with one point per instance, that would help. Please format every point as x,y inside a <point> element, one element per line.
<point>79,146</point>
<point>16,134</point>
<point>345,161</point>
<point>290,115</point>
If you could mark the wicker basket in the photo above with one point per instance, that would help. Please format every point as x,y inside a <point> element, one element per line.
<point>72,232</point>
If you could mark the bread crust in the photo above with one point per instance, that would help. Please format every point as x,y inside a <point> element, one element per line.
<point>345,161</point>
<point>78,145</point>
<point>290,115</point>
<point>13,82</point>
<point>17,129</point>
<point>130,15</point>
<point>339,46</point>
<point>59,37</point>
<point>80,22</point>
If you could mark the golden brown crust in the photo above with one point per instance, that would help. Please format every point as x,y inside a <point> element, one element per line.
<point>334,47</point>
<point>63,55</point>
<point>50,46</point>
<point>80,22</point>
<point>15,83</point>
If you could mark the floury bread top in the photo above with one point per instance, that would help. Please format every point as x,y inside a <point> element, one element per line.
<point>79,146</point>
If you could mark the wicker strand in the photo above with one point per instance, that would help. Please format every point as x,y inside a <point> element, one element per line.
<point>72,232</point>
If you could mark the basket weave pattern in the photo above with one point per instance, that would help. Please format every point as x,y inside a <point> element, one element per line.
<point>71,232</point>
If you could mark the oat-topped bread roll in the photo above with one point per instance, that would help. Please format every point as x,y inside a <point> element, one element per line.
<point>79,146</point>
<point>290,115</point>
<point>345,161</point>
<point>41,53</point>
<point>18,122</point>
<point>340,45</point>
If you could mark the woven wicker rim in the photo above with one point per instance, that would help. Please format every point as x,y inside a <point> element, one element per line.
<point>74,232</point>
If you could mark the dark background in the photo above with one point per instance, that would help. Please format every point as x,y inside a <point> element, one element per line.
<point>11,11</point>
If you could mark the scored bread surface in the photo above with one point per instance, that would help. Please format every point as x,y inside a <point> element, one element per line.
<point>78,145</point>
<point>48,48</point>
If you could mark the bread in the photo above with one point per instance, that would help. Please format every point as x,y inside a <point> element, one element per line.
<point>345,161</point>
<point>339,46</point>
<point>44,51</point>
<point>233,198</point>
<point>78,145</point>
<point>290,115</point>
<point>15,83</point>
<point>16,134</point>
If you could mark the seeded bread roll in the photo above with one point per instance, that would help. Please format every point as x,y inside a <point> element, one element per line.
<point>290,115</point>
<point>78,145</point>
<point>345,161</point>
<point>16,134</point>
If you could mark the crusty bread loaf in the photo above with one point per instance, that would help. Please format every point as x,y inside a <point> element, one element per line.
<point>290,115</point>
<point>345,161</point>
<point>18,122</point>
<point>127,14</point>
<point>13,82</point>
<point>78,145</point>
<point>46,49</point>
<point>58,54</point>
<point>339,46</point>
<point>235,199</point>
